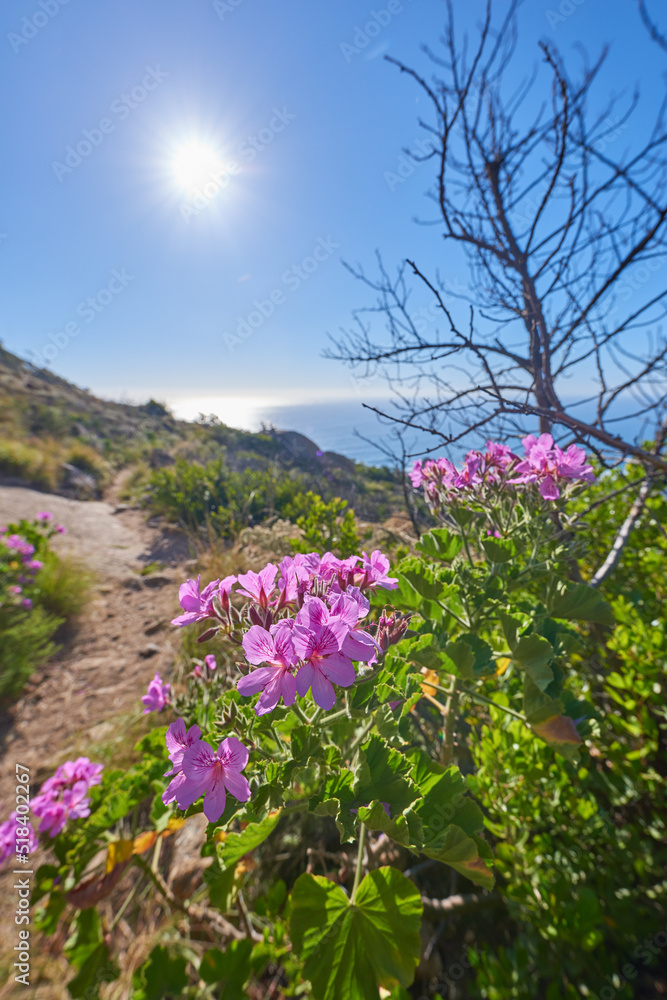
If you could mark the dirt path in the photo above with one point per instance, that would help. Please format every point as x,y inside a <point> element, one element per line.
<point>123,636</point>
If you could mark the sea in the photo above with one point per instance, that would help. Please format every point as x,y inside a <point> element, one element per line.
<point>343,426</point>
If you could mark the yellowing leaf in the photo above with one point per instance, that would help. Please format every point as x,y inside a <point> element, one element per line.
<point>502,664</point>
<point>430,677</point>
<point>558,729</point>
<point>219,837</point>
<point>174,824</point>
<point>144,841</point>
<point>118,852</point>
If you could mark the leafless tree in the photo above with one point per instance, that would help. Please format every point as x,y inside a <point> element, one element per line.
<point>562,228</point>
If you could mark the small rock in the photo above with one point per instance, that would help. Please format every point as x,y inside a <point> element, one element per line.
<point>160,458</point>
<point>132,583</point>
<point>150,650</point>
<point>153,628</point>
<point>155,580</point>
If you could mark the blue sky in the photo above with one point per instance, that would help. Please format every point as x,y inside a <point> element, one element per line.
<point>309,129</point>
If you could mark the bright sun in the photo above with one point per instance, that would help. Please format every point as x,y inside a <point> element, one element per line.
<point>193,163</point>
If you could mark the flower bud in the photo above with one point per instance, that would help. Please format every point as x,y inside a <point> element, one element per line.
<point>208,634</point>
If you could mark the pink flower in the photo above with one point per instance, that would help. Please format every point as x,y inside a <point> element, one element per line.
<point>276,680</point>
<point>64,796</point>
<point>259,586</point>
<point>60,529</point>
<point>416,475</point>
<point>44,515</point>
<point>178,739</point>
<point>197,606</point>
<point>324,662</point>
<point>210,661</point>
<point>34,565</point>
<point>16,833</point>
<point>213,774</point>
<point>349,608</point>
<point>156,696</point>
<point>546,464</point>
<point>27,603</point>
<point>376,567</point>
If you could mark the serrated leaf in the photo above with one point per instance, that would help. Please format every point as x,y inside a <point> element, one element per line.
<point>440,543</point>
<point>351,950</point>
<point>382,774</point>
<point>579,602</point>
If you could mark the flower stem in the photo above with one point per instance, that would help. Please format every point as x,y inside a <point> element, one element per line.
<point>360,862</point>
<point>494,704</point>
<point>301,714</point>
<point>452,708</point>
<point>361,737</point>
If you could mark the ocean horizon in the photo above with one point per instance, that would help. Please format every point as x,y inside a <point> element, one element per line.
<point>343,426</point>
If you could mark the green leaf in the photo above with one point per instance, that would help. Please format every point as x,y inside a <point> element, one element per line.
<point>440,543</point>
<point>499,550</point>
<point>424,651</point>
<point>163,975</point>
<point>449,819</point>
<point>578,602</point>
<point>96,970</point>
<point>350,950</point>
<point>511,628</point>
<point>462,515</point>
<point>381,775</point>
<point>533,653</point>
<point>538,706</point>
<point>461,654</point>
<point>220,884</point>
<point>238,844</point>
<point>230,967</point>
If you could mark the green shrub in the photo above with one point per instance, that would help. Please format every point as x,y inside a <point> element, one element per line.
<point>214,496</point>
<point>26,645</point>
<point>326,526</point>
<point>36,466</point>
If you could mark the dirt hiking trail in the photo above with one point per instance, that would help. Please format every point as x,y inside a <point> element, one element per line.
<point>122,637</point>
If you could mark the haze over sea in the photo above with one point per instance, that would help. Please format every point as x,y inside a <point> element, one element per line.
<point>344,426</point>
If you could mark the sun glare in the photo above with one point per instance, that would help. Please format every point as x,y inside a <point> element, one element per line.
<point>194,163</point>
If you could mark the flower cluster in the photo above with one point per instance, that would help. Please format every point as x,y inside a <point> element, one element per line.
<point>65,796</point>
<point>157,695</point>
<point>306,615</point>
<point>18,563</point>
<point>544,464</point>
<point>61,798</point>
<point>197,769</point>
